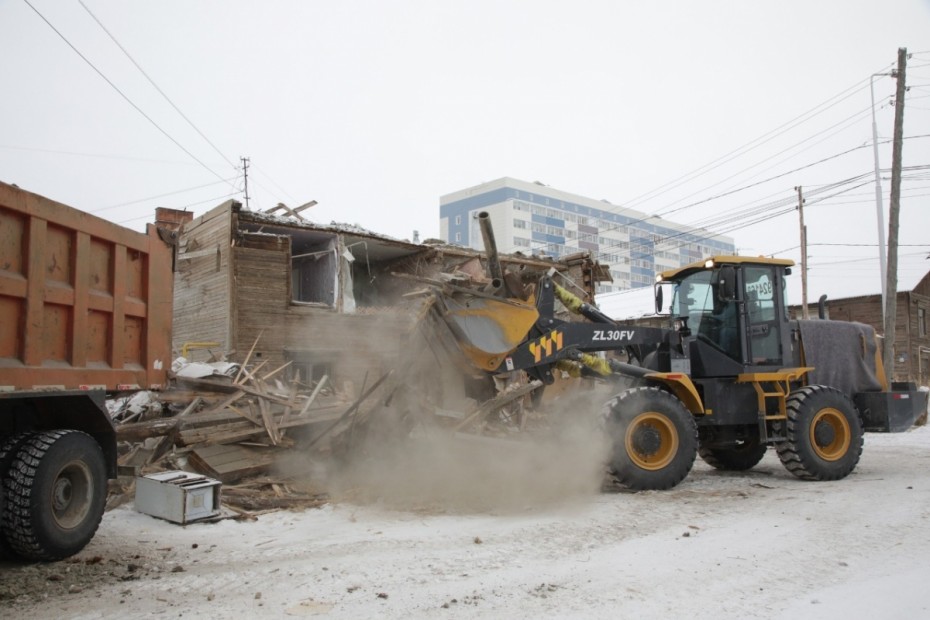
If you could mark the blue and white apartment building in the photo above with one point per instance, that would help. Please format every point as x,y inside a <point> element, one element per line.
<point>533,218</point>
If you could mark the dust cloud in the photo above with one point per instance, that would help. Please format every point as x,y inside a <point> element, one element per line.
<point>401,452</point>
<point>430,467</point>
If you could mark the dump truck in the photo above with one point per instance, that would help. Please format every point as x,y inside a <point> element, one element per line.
<point>85,309</point>
<point>728,377</point>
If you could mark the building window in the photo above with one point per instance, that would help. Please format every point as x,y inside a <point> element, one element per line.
<point>458,237</point>
<point>922,322</point>
<point>519,223</point>
<point>309,366</point>
<point>313,270</point>
<point>458,220</point>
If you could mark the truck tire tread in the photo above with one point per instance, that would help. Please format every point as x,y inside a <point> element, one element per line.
<point>26,522</point>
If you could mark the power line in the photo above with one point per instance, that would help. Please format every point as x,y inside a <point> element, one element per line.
<point>152,82</point>
<point>98,155</point>
<point>180,191</point>
<point>749,146</point>
<point>121,93</point>
<point>189,204</point>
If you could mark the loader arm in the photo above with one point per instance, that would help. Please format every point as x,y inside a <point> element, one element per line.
<point>565,340</point>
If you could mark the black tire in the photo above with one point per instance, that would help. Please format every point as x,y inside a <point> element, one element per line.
<point>9,446</point>
<point>742,456</point>
<point>654,439</point>
<point>823,434</point>
<point>55,495</point>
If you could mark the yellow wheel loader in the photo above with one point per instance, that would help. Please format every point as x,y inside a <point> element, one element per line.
<point>730,376</point>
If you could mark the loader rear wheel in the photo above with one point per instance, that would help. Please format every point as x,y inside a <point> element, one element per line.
<point>823,436</point>
<point>55,494</point>
<point>654,439</point>
<point>740,457</point>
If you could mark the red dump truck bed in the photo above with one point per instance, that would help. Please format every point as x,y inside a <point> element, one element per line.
<point>85,303</point>
<point>85,308</point>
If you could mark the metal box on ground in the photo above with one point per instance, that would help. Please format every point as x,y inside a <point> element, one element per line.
<point>178,496</point>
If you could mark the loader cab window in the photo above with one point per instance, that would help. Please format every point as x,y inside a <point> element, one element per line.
<point>710,318</point>
<point>764,325</point>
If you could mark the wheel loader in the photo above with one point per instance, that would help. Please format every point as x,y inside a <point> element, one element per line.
<point>731,375</point>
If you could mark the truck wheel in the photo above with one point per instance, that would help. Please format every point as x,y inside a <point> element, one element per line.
<point>9,446</point>
<point>55,495</point>
<point>823,436</point>
<point>740,457</point>
<point>654,438</point>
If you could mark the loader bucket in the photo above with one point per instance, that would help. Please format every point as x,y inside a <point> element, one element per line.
<point>488,329</point>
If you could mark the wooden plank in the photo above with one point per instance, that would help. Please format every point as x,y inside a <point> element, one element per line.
<point>316,392</point>
<point>168,440</point>
<point>494,404</point>
<point>247,357</point>
<point>230,463</point>
<point>291,397</point>
<point>267,419</point>
<point>239,431</point>
<point>270,426</point>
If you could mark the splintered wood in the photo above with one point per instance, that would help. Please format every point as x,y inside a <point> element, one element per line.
<point>233,429</point>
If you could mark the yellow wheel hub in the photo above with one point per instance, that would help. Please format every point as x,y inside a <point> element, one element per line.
<point>651,441</point>
<point>830,434</point>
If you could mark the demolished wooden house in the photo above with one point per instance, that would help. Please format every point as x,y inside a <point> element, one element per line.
<point>318,317</point>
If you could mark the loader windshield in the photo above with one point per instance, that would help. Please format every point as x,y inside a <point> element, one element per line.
<point>709,318</point>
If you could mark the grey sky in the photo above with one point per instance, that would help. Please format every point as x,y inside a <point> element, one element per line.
<point>375,109</point>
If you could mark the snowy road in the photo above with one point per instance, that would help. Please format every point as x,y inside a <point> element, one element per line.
<point>721,545</point>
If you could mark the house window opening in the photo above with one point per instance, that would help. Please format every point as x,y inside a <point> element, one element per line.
<point>313,271</point>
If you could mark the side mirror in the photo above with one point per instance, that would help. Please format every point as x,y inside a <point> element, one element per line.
<point>726,283</point>
<point>658,300</point>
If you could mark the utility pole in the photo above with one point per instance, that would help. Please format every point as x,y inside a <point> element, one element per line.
<point>805,313</point>
<point>894,210</point>
<point>879,210</point>
<point>245,174</point>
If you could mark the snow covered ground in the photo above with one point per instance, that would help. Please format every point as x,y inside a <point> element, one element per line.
<point>759,544</point>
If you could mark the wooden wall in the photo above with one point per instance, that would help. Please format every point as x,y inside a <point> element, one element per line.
<point>202,281</point>
<point>353,344</point>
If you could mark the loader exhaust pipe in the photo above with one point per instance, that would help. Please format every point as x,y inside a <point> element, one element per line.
<point>495,272</point>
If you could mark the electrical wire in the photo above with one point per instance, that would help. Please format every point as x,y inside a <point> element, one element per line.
<point>753,144</point>
<point>174,193</point>
<point>154,85</point>
<point>187,205</point>
<point>121,93</point>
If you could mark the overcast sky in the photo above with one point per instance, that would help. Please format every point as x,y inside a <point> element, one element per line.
<point>706,113</point>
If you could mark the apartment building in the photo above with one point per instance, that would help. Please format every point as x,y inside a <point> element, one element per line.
<point>537,219</point>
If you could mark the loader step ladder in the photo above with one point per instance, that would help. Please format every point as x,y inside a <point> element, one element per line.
<point>772,385</point>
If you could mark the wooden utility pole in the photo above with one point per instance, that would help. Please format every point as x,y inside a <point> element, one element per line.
<point>894,209</point>
<point>805,313</point>
<point>245,175</point>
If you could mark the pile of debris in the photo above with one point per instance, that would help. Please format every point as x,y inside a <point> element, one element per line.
<point>232,423</point>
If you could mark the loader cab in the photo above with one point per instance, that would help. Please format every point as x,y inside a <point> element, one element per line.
<point>735,311</point>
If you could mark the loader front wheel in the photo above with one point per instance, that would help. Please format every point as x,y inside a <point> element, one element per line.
<point>823,434</point>
<point>654,439</point>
